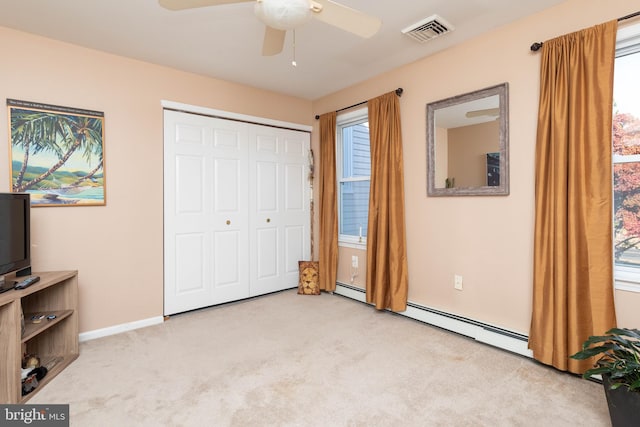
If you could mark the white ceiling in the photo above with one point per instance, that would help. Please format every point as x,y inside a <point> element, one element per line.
<point>225,41</point>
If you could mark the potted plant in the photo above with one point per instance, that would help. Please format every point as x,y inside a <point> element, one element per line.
<point>619,365</point>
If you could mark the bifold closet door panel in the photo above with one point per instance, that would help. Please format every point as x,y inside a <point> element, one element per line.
<point>279,200</point>
<point>206,233</point>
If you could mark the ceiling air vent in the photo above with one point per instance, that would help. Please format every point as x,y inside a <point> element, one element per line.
<point>427,29</point>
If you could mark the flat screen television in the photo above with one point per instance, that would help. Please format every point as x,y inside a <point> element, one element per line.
<point>15,242</point>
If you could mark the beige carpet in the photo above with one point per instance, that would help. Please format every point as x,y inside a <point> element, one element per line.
<point>291,360</point>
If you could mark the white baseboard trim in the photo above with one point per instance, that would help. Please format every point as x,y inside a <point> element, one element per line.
<point>482,332</point>
<point>118,329</point>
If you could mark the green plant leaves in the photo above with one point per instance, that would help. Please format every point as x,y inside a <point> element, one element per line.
<point>620,357</point>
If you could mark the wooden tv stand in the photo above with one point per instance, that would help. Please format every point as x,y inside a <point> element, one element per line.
<point>55,341</point>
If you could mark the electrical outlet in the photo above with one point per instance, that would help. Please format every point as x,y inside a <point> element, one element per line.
<point>457,282</point>
<point>354,261</point>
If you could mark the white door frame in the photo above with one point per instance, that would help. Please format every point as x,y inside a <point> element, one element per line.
<point>187,108</point>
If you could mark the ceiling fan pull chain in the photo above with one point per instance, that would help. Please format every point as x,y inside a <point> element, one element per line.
<point>294,63</point>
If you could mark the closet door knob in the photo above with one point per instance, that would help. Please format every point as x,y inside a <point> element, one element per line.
<point>228,222</point>
<point>268,219</point>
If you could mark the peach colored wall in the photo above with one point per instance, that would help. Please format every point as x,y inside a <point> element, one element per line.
<point>345,270</point>
<point>468,146</point>
<point>487,240</point>
<point>117,248</point>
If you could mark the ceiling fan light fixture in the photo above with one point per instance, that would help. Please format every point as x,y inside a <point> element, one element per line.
<point>283,14</point>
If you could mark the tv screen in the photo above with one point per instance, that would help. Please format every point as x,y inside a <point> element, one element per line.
<point>15,242</point>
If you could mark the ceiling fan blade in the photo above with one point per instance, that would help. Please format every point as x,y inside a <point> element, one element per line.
<point>347,19</point>
<point>485,112</point>
<point>273,41</point>
<point>192,4</point>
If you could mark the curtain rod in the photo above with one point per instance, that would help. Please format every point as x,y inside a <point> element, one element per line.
<point>537,45</point>
<point>398,92</point>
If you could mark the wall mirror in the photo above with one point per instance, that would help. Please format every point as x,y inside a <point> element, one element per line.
<point>468,144</point>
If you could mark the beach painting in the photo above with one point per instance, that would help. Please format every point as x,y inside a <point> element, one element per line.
<point>57,154</point>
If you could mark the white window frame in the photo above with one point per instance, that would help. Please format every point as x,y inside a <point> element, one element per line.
<point>350,118</point>
<point>627,278</point>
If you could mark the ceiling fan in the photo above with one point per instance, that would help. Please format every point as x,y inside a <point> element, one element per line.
<point>282,15</point>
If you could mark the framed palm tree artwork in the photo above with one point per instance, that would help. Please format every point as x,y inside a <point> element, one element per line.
<point>57,154</point>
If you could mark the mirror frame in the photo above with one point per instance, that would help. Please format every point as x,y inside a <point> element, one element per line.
<point>502,90</point>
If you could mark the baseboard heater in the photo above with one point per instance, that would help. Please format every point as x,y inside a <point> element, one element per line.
<point>482,332</point>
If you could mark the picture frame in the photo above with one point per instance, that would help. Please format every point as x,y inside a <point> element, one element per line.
<point>57,154</point>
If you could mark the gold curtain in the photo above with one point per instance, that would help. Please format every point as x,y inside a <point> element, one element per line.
<point>387,277</point>
<point>328,257</point>
<point>573,261</point>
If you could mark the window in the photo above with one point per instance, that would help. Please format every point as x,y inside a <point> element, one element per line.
<point>354,176</point>
<point>626,160</point>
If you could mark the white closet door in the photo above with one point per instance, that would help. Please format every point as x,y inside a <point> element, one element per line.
<point>206,211</point>
<point>279,203</point>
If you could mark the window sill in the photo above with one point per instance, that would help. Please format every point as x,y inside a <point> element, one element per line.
<point>353,244</point>
<point>626,278</point>
<point>622,285</point>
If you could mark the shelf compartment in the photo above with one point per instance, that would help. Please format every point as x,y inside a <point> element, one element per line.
<point>56,365</point>
<point>32,329</point>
